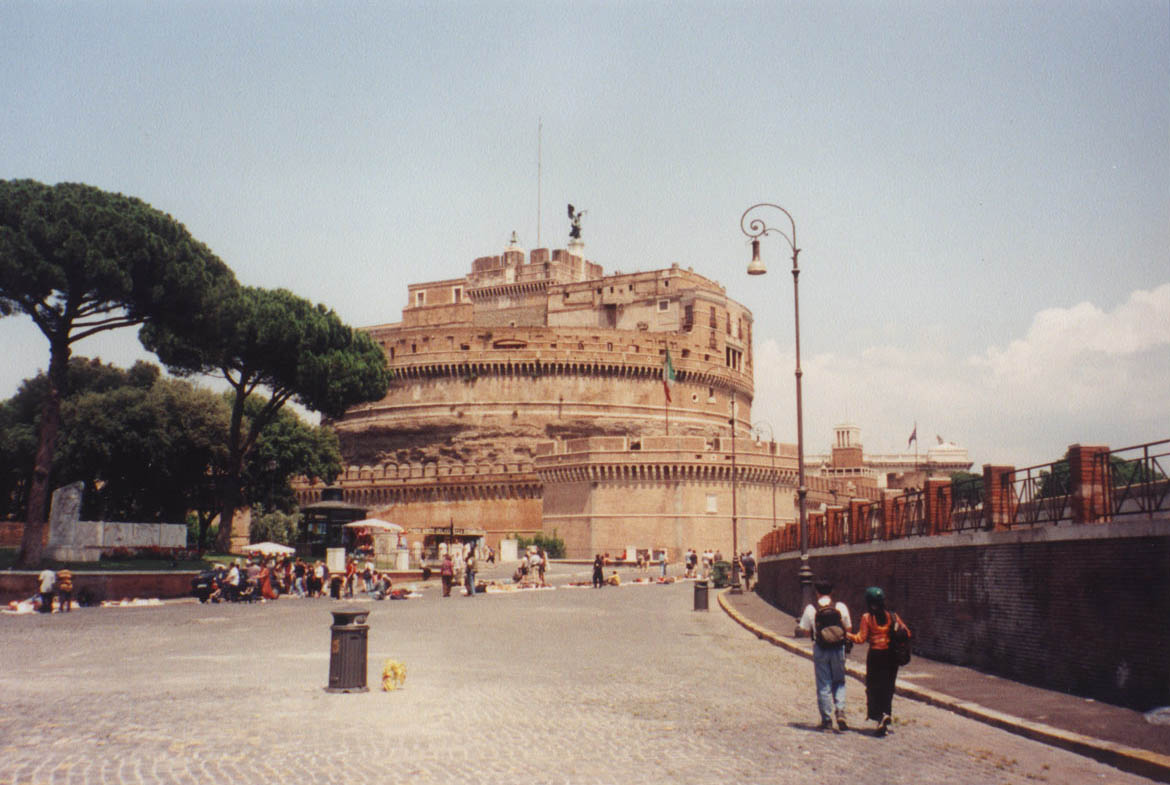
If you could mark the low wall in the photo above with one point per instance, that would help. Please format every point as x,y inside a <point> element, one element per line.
<point>103,585</point>
<point>1080,608</point>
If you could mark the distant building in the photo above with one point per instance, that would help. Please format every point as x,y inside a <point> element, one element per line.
<point>847,461</point>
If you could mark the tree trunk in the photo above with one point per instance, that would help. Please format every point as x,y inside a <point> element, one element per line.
<point>232,496</point>
<point>32,543</point>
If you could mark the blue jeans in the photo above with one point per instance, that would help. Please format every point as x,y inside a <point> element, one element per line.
<point>829,666</point>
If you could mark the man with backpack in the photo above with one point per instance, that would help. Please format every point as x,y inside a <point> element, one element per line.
<point>828,622</point>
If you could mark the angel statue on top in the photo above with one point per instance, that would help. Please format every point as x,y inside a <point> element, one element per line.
<point>575,217</point>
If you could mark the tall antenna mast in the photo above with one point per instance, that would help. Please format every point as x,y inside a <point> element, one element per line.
<point>539,133</point>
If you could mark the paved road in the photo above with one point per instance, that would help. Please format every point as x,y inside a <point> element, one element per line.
<point>567,686</point>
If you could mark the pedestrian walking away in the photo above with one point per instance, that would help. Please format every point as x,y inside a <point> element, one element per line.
<point>598,571</point>
<point>881,665</point>
<point>749,570</point>
<point>828,623</point>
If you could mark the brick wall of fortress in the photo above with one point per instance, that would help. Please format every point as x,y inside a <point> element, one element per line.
<point>515,387</point>
<point>455,436</point>
<point>605,494</point>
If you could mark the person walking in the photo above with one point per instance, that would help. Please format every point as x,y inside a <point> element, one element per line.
<point>64,590</point>
<point>828,623</point>
<point>749,570</point>
<point>541,565</point>
<point>447,574</point>
<point>881,667</point>
<point>598,571</point>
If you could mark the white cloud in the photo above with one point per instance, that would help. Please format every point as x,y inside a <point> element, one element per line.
<point>1079,374</point>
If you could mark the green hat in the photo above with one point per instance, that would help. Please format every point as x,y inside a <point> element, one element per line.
<point>874,594</point>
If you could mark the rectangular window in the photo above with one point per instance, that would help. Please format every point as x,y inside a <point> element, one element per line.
<point>457,294</point>
<point>712,503</point>
<point>663,305</point>
<point>420,298</point>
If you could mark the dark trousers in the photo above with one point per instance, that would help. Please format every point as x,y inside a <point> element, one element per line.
<point>65,601</point>
<point>881,670</point>
<point>46,602</point>
<point>446,585</point>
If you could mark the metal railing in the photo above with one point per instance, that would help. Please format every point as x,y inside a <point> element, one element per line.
<point>1138,484</point>
<point>910,514</point>
<point>1040,494</point>
<point>967,505</point>
<point>873,523</point>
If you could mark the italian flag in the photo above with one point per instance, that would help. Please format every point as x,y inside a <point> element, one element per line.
<point>667,375</point>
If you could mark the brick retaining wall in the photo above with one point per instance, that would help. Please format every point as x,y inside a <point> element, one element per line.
<point>1080,609</point>
<point>104,585</point>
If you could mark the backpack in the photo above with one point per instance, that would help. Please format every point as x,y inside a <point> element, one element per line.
<point>899,640</point>
<point>829,626</point>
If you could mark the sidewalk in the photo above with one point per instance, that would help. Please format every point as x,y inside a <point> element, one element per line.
<point>1111,734</point>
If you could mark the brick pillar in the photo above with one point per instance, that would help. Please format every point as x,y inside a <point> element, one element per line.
<point>938,504</point>
<point>890,516</point>
<point>998,502</point>
<point>858,518</point>
<point>834,522</point>
<point>1089,483</point>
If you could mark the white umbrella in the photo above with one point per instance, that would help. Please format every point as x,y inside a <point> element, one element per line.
<point>268,549</point>
<point>374,523</point>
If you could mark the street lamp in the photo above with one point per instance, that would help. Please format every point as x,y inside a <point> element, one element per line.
<point>735,587</point>
<point>772,442</point>
<point>755,229</point>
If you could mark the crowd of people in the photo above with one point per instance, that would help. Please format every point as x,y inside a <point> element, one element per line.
<point>255,579</point>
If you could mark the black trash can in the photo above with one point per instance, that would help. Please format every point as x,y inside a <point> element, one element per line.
<point>700,595</point>
<point>347,651</point>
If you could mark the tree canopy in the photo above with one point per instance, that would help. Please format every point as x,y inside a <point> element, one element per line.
<point>78,261</point>
<point>273,340</point>
<point>153,448</point>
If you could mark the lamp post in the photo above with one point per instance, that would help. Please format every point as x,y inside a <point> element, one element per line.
<point>735,587</point>
<point>755,229</point>
<point>772,443</point>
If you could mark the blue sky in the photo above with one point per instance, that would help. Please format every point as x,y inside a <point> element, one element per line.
<point>981,190</point>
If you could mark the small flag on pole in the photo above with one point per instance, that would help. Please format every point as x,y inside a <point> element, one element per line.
<point>913,436</point>
<point>667,375</point>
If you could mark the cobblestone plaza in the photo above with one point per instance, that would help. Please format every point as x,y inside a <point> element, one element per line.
<point>625,684</point>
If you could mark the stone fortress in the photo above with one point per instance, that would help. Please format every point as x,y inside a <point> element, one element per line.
<point>529,397</point>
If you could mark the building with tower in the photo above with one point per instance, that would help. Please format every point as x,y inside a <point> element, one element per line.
<point>529,396</point>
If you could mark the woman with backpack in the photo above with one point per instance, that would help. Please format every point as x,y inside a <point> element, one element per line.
<point>877,627</point>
